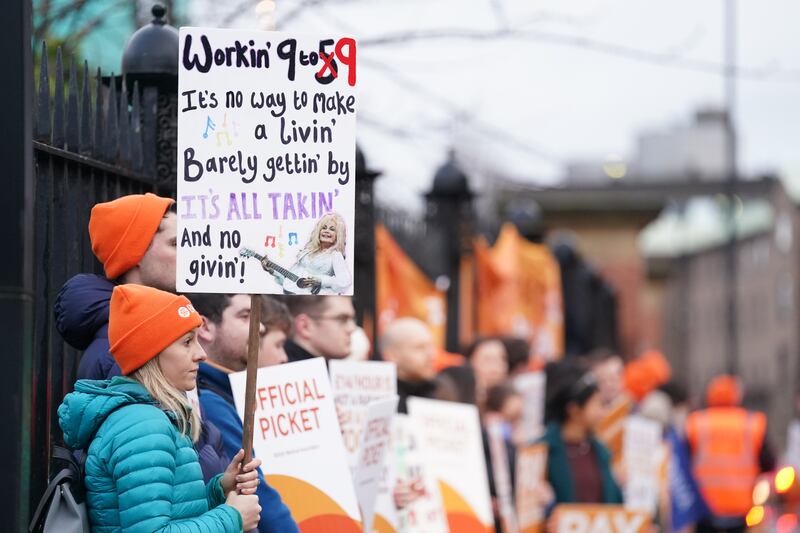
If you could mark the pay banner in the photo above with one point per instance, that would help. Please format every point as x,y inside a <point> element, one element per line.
<point>356,384</point>
<point>644,454</point>
<point>453,447</point>
<point>376,440</point>
<point>532,386</point>
<point>266,162</point>
<point>530,477</point>
<point>501,468</point>
<point>425,512</point>
<point>595,518</point>
<point>297,437</point>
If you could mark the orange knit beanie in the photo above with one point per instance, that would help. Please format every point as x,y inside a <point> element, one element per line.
<point>143,321</point>
<point>122,230</point>
<point>724,391</point>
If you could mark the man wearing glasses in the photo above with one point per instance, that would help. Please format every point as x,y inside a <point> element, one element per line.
<point>323,326</point>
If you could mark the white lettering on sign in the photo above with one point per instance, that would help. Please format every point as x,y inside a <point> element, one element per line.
<point>608,522</point>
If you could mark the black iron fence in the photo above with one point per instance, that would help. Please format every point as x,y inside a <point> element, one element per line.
<point>94,140</point>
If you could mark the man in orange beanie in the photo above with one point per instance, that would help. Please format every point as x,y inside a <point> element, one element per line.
<point>134,237</point>
<point>729,450</point>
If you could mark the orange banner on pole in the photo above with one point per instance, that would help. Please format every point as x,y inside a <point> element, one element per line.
<point>403,290</point>
<point>519,292</point>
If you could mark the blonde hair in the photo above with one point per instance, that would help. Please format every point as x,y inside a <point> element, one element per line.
<point>313,245</point>
<point>169,398</point>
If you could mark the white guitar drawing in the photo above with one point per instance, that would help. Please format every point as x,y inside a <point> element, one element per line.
<point>299,282</point>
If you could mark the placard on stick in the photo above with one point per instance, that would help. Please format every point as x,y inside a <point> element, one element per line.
<point>453,446</point>
<point>501,469</point>
<point>531,469</point>
<point>266,162</point>
<point>376,441</point>
<point>355,385</point>
<point>298,439</point>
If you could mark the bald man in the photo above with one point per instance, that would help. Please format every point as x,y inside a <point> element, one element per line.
<point>408,343</point>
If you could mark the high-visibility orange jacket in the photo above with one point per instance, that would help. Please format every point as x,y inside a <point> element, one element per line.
<point>726,443</point>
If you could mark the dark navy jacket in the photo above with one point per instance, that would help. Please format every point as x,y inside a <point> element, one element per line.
<point>216,399</point>
<point>81,312</point>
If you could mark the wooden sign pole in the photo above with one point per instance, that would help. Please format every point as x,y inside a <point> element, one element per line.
<point>253,343</point>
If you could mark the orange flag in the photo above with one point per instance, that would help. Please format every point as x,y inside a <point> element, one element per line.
<point>519,292</point>
<point>403,290</point>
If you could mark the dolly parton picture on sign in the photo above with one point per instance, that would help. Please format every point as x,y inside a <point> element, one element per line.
<point>266,162</point>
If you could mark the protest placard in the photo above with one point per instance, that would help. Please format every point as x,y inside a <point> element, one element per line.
<point>298,439</point>
<point>532,387</point>
<point>266,162</point>
<point>611,429</point>
<point>376,440</point>
<point>643,453</point>
<point>579,518</point>
<point>501,469</point>
<point>425,513</point>
<point>531,469</point>
<point>355,384</point>
<point>453,446</point>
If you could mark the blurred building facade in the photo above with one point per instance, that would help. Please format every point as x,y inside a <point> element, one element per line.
<point>685,252</point>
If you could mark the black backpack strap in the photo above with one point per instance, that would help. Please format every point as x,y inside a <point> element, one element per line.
<point>64,475</point>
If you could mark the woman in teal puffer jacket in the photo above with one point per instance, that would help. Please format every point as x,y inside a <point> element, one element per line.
<point>142,473</point>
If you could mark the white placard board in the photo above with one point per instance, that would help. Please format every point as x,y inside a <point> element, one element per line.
<point>425,513</point>
<point>501,468</point>
<point>355,385</point>
<point>376,441</point>
<point>297,437</point>
<point>266,161</point>
<point>453,445</point>
<point>532,387</point>
<point>643,453</point>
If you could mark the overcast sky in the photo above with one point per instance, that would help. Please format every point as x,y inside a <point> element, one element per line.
<point>579,82</point>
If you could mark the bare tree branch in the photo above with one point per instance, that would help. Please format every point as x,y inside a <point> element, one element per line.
<point>668,58</point>
<point>95,21</point>
<point>236,12</point>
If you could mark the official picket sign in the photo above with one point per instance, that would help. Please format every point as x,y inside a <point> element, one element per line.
<point>453,446</point>
<point>298,439</point>
<point>266,162</point>
<point>373,454</point>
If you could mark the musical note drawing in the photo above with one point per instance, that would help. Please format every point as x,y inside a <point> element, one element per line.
<point>270,241</point>
<point>209,125</point>
<point>293,239</point>
<point>227,136</point>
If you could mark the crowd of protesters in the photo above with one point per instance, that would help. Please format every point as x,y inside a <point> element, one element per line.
<point>145,347</point>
